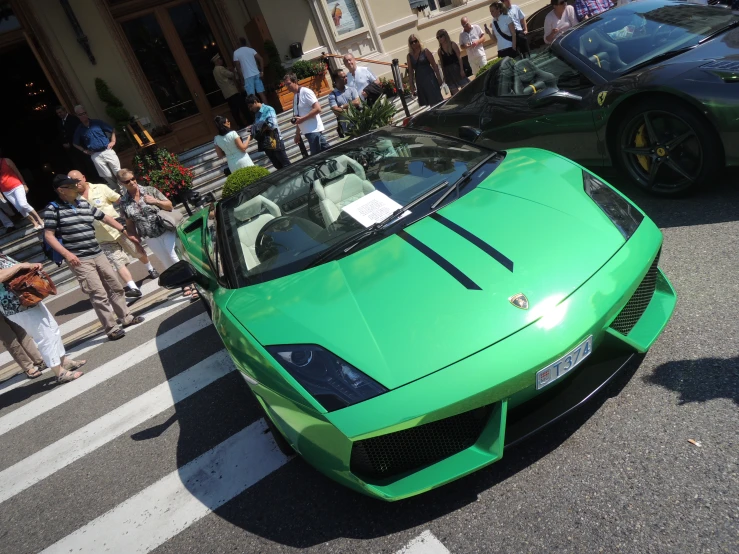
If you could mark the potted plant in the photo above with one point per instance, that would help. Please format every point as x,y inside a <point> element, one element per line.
<point>162,170</point>
<point>367,118</point>
<point>311,74</point>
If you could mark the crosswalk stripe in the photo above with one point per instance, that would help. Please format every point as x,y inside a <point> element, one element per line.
<point>92,436</point>
<point>102,338</point>
<point>62,394</point>
<point>162,510</point>
<point>425,543</point>
<point>80,321</point>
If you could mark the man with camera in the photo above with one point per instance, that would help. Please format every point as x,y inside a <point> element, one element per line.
<point>306,115</point>
<point>266,132</point>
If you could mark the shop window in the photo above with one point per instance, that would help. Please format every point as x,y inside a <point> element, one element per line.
<point>439,5</point>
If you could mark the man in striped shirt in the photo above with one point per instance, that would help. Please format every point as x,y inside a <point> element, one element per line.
<point>71,220</point>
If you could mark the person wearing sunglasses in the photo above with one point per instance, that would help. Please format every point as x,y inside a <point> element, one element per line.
<point>504,30</point>
<point>561,18</point>
<point>472,38</point>
<point>424,75</point>
<point>450,60</point>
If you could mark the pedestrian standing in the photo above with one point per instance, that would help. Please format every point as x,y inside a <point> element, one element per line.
<point>228,143</point>
<point>503,29</point>
<point>472,38</point>
<point>91,138</point>
<point>14,188</point>
<point>359,77</point>
<point>67,125</point>
<point>21,348</point>
<point>116,247</point>
<point>226,81</point>
<point>266,131</point>
<point>306,115</point>
<point>71,220</point>
<point>341,98</point>
<point>140,206</point>
<point>250,66</point>
<point>450,60</point>
<point>585,9</point>
<point>424,76</point>
<point>522,30</point>
<point>38,322</point>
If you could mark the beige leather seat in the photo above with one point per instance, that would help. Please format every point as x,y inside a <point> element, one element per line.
<point>341,182</point>
<point>256,213</point>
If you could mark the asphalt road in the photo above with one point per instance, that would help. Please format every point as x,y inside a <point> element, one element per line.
<point>115,467</point>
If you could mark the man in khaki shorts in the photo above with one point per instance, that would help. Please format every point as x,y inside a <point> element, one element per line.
<point>116,247</point>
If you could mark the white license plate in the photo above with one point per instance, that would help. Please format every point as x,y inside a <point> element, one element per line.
<point>565,364</point>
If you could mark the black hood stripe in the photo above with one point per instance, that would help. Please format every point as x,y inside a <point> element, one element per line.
<point>477,241</point>
<point>440,261</point>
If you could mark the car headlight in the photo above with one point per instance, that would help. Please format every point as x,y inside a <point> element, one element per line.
<point>620,211</point>
<point>334,383</point>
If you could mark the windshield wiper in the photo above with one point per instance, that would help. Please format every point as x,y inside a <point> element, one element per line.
<point>722,30</point>
<point>660,58</point>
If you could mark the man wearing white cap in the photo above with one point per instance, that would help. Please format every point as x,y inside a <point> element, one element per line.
<point>226,81</point>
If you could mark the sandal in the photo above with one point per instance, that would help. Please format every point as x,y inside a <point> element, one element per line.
<point>74,365</point>
<point>191,293</point>
<point>135,321</point>
<point>117,334</point>
<point>33,373</point>
<point>67,376</point>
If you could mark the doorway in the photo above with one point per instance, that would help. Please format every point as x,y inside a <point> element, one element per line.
<point>174,43</point>
<point>30,134</point>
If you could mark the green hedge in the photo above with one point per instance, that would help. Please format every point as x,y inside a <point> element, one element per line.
<point>487,66</point>
<point>243,178</point>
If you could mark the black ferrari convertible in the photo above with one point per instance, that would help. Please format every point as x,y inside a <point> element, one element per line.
<point>651,87</point>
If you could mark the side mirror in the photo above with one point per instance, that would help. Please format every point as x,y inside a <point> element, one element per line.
<point>470,134</point>
<point>180,274</point>
<point>552,95</point>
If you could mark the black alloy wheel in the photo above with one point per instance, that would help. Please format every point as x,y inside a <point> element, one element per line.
<point>667,148</point>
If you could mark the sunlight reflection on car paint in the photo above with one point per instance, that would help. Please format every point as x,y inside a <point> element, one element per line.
<point>550,312</point>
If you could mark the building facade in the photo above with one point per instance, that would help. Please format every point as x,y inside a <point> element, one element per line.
<point>154,55</point>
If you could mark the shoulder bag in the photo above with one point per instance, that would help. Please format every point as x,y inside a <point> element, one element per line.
<point>31,286</point>
<point>169,220</point>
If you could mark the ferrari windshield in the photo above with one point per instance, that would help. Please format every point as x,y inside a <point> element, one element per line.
<point>286,221</point>
<point>633,34</point>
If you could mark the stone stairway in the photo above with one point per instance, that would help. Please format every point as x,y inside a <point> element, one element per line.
<point>24,244</point>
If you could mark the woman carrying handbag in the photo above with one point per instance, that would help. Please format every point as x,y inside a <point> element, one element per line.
<point>150,216</point>
<point>36,320</point>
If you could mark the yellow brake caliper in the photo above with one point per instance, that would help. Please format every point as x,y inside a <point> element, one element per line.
<point>640,142</point>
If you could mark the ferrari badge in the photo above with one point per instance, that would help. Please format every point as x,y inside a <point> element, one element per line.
<point>602,97</point>
<point>520,301</point>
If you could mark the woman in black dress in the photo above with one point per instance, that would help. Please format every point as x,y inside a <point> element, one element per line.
<point>424,73</point>
<point>450,60</point>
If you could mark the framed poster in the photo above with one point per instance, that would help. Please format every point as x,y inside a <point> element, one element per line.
<point>345,16</point>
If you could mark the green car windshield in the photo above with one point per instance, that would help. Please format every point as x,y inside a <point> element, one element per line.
<point>619,40</point>
<point>283,223</point>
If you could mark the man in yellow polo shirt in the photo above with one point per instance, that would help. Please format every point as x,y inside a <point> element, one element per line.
<point>114,245</point>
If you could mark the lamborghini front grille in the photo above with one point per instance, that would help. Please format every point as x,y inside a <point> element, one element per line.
<point>638,303</point>
<point>393,454</point>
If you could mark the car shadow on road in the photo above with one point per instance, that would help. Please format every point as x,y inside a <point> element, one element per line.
<point>718,203</point>
<point>699,380</point>
<point>298,507</point>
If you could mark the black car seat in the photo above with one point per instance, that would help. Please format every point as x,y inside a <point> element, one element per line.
<point>600,52</point>
<point>506,77</point>
<point>530,79</point>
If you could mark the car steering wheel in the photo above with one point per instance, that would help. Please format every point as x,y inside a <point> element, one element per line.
<point>264,245</point>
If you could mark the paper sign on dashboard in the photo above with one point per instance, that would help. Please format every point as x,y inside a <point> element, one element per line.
<point>373,208</point>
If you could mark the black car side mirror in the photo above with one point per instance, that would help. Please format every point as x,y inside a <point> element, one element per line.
<point>553,95</point>
<point>470,134</point>
<point>181,274</point>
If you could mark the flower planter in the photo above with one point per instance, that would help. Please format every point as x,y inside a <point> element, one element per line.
<point>317,83</point>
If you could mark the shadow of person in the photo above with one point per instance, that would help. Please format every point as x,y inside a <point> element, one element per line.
<point>699,380</point>
<point>76,308</point>
<point>18,395</point>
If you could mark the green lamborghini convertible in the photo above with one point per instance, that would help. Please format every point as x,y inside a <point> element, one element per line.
<point>406,305</point>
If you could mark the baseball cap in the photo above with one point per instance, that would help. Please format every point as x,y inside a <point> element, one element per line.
<point>63,181</point>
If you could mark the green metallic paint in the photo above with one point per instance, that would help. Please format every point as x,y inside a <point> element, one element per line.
<point>436,344</point>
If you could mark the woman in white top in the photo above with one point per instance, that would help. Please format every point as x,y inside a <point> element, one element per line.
<point>561,18</point>
<point>504,29</point>
<point>229,144</point>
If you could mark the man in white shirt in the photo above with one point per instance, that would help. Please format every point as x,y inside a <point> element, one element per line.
<point>358,77</point>
<point>250,66</point>
<point>519,21</point>
<point>472,38</point>
<point>306,115</point>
